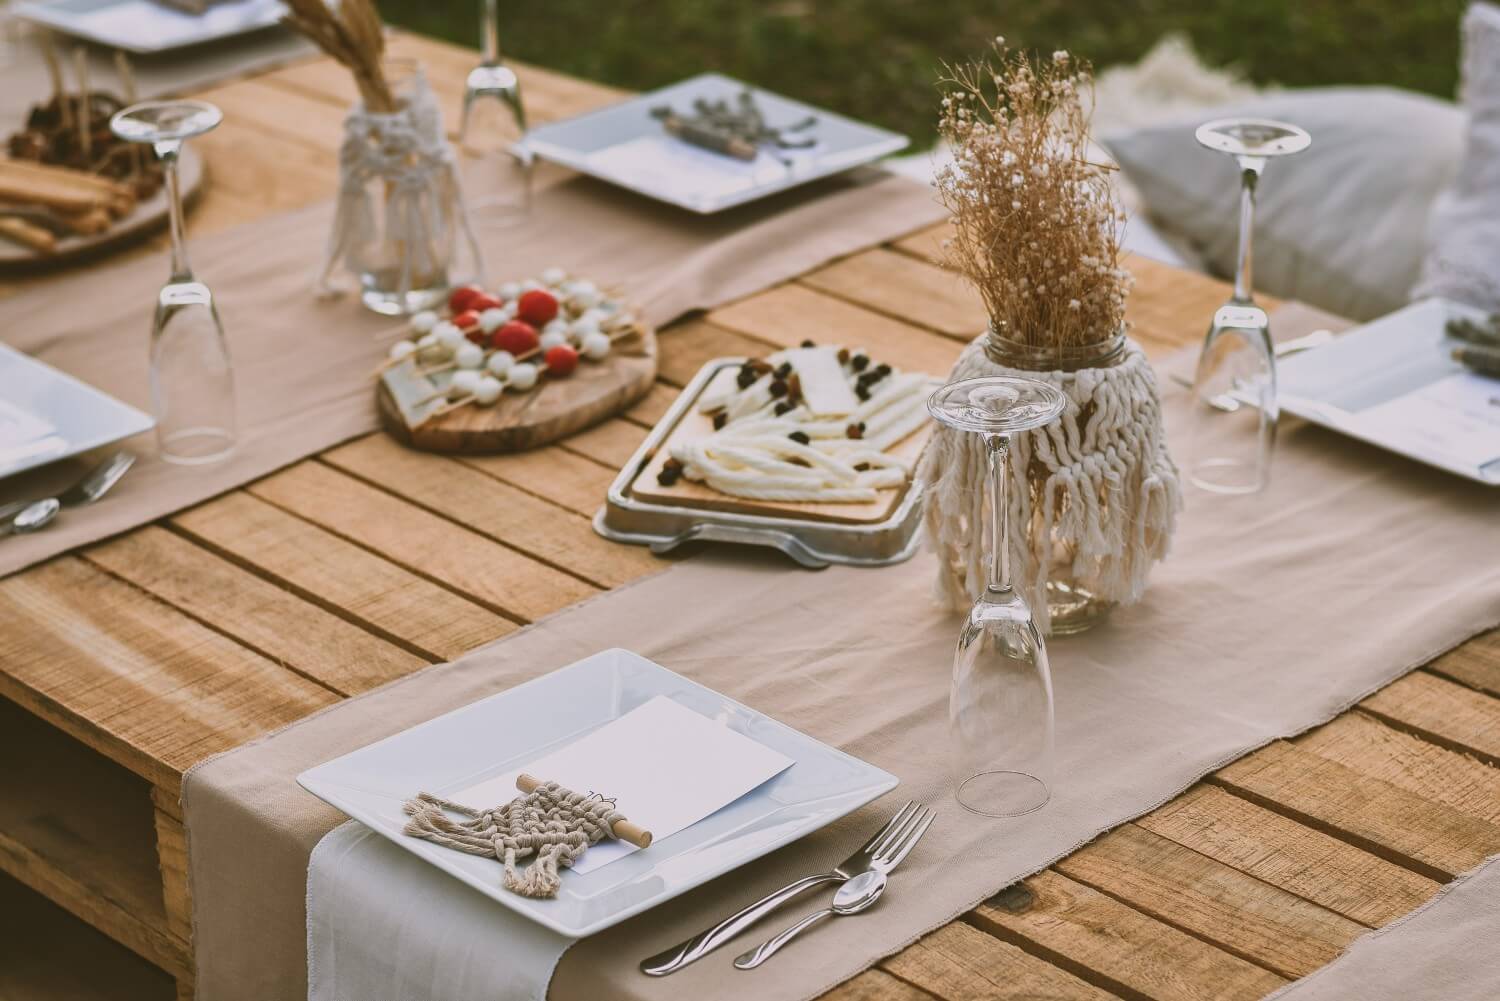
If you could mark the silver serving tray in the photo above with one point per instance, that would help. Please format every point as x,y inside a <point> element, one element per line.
<point>624,145</point>
<point>814,544</point>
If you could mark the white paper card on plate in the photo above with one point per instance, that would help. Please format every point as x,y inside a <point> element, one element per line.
<point>665,766</point>
<point>1458,417</point>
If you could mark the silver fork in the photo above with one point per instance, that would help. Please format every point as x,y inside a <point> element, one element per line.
<point>93,485</point>
<point>881,853</point>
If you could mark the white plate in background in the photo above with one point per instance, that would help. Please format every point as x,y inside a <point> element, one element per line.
<point>624,145</point>
<point>144,26</point>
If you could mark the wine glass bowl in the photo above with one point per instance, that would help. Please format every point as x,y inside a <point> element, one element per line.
<point>1000,723</point>
<point>165,121</point>
<point>494,116</point>
<point>1258,137</point>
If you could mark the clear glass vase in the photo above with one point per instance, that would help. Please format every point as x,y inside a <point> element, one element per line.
<point>1071,606</point>
<point>399,224</point>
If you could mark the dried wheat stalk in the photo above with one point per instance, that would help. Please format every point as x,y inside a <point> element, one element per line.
<point>1036,225</point>
<point>352,35</point>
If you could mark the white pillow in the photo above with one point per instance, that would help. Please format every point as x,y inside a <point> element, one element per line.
<point>1340,225</point>
<point>1463,235</point>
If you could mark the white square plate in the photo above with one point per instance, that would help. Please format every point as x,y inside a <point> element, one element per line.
<point>145,26</point>
<point>1348,383</point>
<point>624,145</point>
<point>506,730</point>
<point>46,415</point>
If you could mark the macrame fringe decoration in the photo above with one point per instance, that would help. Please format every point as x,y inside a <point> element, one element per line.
<point>423,205</point>
<point>551,822</point>
<point>1100,477</point>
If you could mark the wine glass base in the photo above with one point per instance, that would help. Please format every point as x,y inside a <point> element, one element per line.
<point>1225,476</point>
<point>1072,610</point>
<point>1003,793</point>
<point>195,446</point>
<point>402,304</point>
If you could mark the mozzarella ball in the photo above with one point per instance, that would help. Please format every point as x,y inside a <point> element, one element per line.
<point>510,290</point>
<point>582,327</point>
<point>469,356</point>
<point>464,383</point>
<point>530,284</point>
<point>449,336</point>
<point>583,296</point>
<point>402,349</point>
<point>556,326</point>
<point>552,339</point>
<point>488,390</point>
<point>522,375</point>
<point>492,319</point>
<point>424,321</point>
<point>429,349</point>
<point>499,363</point>
<point>554,276</point>
<point>596,346</point>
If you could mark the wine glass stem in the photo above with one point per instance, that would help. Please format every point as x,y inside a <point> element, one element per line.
<point>489,29</point>
<point>999,449</point>
<point>167,153</point>
<point>1242,284</point>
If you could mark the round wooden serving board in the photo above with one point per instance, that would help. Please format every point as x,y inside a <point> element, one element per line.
<point>554,409</point>
<point>147,217</point>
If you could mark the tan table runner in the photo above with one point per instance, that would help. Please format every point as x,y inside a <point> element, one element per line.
<point>1447,949</point>
<point>302,366</point>
<point>1273,614</point>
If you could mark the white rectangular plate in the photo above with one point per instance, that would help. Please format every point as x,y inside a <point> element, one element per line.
<point>144,26</point>
<point>498,734</point>
<point>624,145</point>
<point>1349,384</point>
<point>78,417</point>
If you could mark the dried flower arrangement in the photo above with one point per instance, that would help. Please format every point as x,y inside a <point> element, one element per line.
<point>353,35</point>
<point>1036,224</point>
<point>1036,230</point>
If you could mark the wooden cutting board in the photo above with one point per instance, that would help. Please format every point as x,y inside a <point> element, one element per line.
<point>554,409</point>
<point>685,493</point>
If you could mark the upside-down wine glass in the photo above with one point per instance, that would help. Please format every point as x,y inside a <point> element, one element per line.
<point>192,381</point>
<point>1000,702</point>
<point>1232,443</point>
<point>494,119</point>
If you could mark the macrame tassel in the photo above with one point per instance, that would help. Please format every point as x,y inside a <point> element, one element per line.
<point>552,823</point>
<point>1100,477</point>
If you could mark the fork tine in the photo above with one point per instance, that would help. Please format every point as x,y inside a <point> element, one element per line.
<point>890,825</point>
<point>911,841</point>
<point>894,837</point>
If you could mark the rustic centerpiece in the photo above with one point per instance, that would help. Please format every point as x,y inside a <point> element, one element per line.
<point>1036,230</point>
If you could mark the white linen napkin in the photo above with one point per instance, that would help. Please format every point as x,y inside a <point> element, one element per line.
<point>383,925</point>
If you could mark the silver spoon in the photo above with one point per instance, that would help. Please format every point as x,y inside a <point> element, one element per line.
<point>851,898</point>
<point>32,517</point>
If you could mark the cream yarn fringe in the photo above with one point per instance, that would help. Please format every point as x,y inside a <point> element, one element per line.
<point>551,822</point>
<point>1108,484</point>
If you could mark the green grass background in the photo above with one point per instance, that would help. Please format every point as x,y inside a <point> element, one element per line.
<point>879,59</point>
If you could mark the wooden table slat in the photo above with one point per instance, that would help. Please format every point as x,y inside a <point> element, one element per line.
<point>906,288</point>
<point>958,962</point>
<point>1443,712</point>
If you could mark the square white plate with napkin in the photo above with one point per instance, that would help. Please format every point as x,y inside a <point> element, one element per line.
<point>475,753</point>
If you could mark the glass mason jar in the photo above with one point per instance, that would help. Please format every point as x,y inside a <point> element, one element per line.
<point>400,213</point>
<point>1071,606</point>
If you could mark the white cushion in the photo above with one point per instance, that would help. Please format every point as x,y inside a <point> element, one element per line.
<point>1338,226</point>
<point>1463,235</point>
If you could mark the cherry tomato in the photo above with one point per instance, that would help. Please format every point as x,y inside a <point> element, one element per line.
<point>466,319</point>
<point>561,359</point>
<point>484,301</point>
<point>462,297</point>
<point>517,337</point>
<point>537,307</point>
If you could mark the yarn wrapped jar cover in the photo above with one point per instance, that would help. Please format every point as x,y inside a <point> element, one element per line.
<point>423,202</point>
<point>1100,477</point>
<point>551,822</point>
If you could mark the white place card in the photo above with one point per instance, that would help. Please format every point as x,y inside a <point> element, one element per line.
<point>665,766</point>
<point>1457,417</point>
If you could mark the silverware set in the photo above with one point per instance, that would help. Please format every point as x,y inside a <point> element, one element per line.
<point>25,516</point>
<point>861,878</point>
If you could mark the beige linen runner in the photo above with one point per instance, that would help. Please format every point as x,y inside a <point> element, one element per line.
<point>1272,614</point>
<point>1448,949</point>
<point>303,366</point>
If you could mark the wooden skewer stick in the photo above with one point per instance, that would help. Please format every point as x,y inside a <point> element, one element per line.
<point>624,830</point>
<point>85,112</point>
<point>617,336</point>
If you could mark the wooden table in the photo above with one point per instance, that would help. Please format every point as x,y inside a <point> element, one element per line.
<point>128,662</point>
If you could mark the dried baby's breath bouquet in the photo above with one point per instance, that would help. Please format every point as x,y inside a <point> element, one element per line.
<point>1036,224</point>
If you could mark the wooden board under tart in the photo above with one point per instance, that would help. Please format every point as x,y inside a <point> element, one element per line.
<point>694,425</point>
<point>554,409</point>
